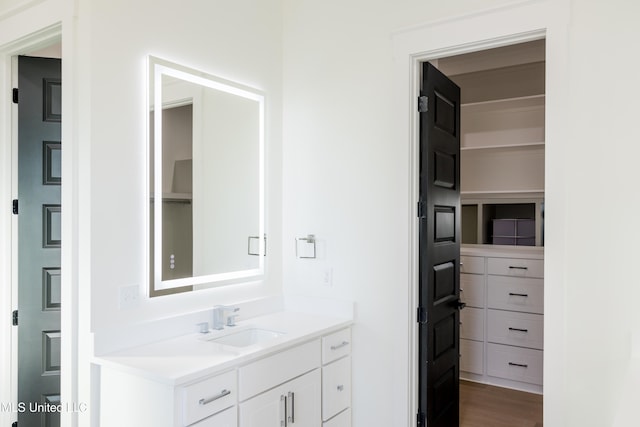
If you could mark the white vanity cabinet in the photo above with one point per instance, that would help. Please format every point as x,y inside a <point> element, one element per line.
<point>304,384</point>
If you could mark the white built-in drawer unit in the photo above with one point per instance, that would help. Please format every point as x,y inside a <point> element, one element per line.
<point>502,326</point>
<point>226,418</point>
<point>336,345</point>
<point>343,419</point>
<point>515,363</point>
<point>516,294</point>
<point>518,267</point>
<point>471,264</point>
<point>336,379</point>
<point>514,328</point>
<point>472,323</point>
<point>208,397</point>
<point>472,289</point>
<point>472,356</point>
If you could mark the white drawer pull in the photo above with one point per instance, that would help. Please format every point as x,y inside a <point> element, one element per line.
<point>520,365</point>
<point>342,344</point>
<point>340,387</point>
<point>222,394</point>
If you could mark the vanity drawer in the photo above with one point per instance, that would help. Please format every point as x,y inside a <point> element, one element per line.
<point>516,293</point>
<point>472,323</point>
<point>266,373</point>
<point>516,267</point>
<point>513,363</point>
<point>341,420</point>
<point>336,345</point>
<point>471,356</point>
<point>519,329</point>
<point>207,397</point>
<point>336,387</point>
<point>471,264</point>
<point>472,289</point>
<point>226,418</point>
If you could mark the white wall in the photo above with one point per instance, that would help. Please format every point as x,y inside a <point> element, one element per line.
<point>346,180</point>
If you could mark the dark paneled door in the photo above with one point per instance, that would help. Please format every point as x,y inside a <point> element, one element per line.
<point>439,212</point>
<point>39,239</point>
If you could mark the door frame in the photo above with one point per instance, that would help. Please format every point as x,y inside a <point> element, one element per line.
<point>516,22</point>
<point>44,27</point>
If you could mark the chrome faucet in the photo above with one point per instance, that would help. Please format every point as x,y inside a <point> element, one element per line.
<point>218,316</point>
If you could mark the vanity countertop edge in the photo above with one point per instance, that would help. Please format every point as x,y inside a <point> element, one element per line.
<point>188,358</point>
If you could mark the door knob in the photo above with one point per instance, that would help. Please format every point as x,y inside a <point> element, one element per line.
<point>460,305</point>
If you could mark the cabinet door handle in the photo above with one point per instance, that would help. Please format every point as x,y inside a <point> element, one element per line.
<point>292,405</point>
<point>514,294</point>
<point>342,344</point>
<point>222,394</point>
<point>518,330</point>
<point>521,365</point>
<point>283,410</point>
<point>515,267</point>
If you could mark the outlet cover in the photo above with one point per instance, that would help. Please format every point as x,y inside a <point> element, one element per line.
<point>129,297</point>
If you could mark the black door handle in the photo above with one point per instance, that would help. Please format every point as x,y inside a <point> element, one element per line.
<point>460,305</point>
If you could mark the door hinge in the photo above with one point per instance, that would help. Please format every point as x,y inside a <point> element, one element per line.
<point>15,318</point>
<point>423,104</point>
<point>421,419</point>
<point>15,207</point>
<point>14,95</point>
<point>422,315</point>
<point>422,209</point>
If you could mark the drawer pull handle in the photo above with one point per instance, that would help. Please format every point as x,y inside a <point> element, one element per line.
<point>514,267</point>
<point>518,330</point>
<point>340,387</point>
<point>292,405</point>
<point>513,294</point>
<point>222,394</point>
<point>520,365</point>
<point>342,344</point>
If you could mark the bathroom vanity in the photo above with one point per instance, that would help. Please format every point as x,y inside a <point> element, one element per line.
<point>282,369</point>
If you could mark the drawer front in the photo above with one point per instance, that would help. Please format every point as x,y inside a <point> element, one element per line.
<point>341,420</point>
<point>471,356</point>
<point>336,345</point>
<point>512,328</point>
<point>516,267</point>
<point>226,418</point>
<point>207,397</point>
<point>472,323</point>
<point>472,289</point>
<point>471,264</point>
<point>266,373</point>
<point>336,387</point>
<point>516,293</point>
<point>518,364</point>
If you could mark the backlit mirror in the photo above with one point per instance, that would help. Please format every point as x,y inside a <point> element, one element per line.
<point>206,163</point>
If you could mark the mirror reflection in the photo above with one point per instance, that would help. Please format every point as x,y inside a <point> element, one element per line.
<point>206,164</point>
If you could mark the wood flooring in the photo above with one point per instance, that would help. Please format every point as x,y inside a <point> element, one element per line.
<point>483,405</point>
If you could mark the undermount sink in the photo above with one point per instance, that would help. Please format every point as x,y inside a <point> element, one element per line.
<point>246,337</point>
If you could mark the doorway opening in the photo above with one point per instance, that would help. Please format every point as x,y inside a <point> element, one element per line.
<point>36,236</point>
<point>502,159</point>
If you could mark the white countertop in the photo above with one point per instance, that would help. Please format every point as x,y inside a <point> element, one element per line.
<point>183,359</point>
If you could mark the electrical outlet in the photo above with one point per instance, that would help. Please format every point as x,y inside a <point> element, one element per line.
<point>327,278</point>
<point>129,297</point>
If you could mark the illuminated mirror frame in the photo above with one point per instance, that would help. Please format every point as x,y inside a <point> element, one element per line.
<point>156,69</point>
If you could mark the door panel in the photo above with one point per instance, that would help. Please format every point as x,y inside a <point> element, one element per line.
<point>439,263</point>
<point>39,240</point>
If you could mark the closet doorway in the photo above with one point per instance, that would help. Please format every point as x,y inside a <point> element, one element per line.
<point>502,159</point>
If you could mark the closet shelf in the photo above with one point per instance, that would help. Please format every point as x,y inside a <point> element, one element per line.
<point>526,145</point>
<point>520,100</point>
